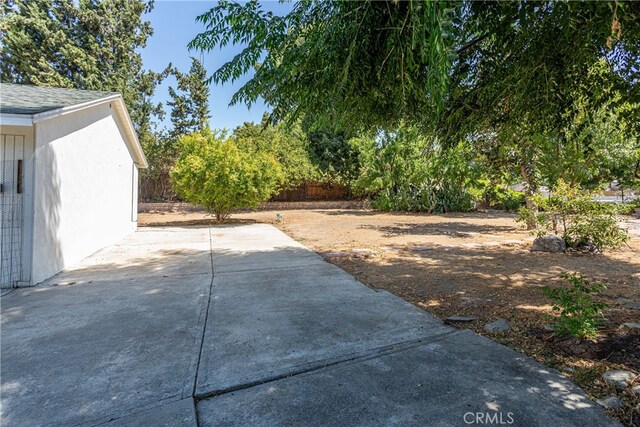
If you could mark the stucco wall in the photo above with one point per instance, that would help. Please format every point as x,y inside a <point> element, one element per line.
<point>83,188</point>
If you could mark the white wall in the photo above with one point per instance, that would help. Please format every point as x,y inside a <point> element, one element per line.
<point>83,188</point>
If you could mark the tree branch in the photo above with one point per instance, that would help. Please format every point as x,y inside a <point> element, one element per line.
<point>472,43</point>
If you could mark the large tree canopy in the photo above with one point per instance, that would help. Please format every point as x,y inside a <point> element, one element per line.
<point>376,63</point>
<point>543,83</point>
<point>343,62</point>
<point>537,60</point>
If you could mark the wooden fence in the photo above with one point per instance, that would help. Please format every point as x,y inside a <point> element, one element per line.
<point>160,190</point>
<point>156,189</point>
<point>312,191</point>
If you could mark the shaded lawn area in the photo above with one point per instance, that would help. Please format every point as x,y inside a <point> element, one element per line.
<point>476,265</point>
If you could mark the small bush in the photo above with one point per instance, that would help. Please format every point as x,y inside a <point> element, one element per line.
<point>628,208</point>
<point>503,197</point>
<point>583,222</point>
<point>600,231</point>
<point>579,316</point>
<point>214,173</point>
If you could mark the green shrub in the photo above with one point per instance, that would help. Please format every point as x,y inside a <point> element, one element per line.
<point>287,146</point>
<point>579,316</point>
<point>581,221</point>
<point>601,231</point>
<point>212,172</point>
<point>335,158</point>
<point>406,171</point>
<point>503,197</point>
<point>629,207</point>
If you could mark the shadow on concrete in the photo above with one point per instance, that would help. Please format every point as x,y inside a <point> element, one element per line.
<point>436,382</point>
<point>211,222</point>
<point>119,333</point>
<point>296,339</point>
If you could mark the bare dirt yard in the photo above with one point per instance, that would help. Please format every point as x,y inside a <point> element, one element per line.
<point>476,265</point>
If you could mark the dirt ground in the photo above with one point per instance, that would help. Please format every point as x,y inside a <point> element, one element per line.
<point>476,265</point>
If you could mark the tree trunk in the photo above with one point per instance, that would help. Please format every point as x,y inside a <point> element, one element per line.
<point>529,191</point>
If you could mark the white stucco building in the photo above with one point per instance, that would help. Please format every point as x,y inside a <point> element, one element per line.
<point>69,163</point>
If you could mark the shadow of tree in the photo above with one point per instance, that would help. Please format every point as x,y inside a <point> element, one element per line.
<point>453,229</point>
<point>504,283</point>
<point>130,319</point>
<point>199,222</point>
<point>373,213</point>
<point>114,333</point>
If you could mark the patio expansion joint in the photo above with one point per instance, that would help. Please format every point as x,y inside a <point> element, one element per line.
<point>326,363</point>
<point>205,321</point>
<point>311,263</point>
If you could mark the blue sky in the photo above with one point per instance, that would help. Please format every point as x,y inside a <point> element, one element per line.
<point>174,26</point>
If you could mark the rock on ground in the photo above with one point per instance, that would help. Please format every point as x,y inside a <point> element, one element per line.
<point>363,252</point>
<point>619,378</point>
<point>628,302</point>
<point>461,319</point>
<point>498,326</point>
<point>550,243</point>
<point>353,253</point>
<point>629,327</point>
<point>611,402</point>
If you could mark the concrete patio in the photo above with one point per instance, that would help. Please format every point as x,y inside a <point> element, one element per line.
<point>241,325</point>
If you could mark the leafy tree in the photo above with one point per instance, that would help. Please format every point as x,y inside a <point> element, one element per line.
<point>287,145</point>
<point>336,159</point>
<point>534,65</point>
<point>405,171</point>
<point>512,73</point>
<point>349,64</point>
<point>214,173</point>
<point>583,223</point>
<point>595,149</point>
<point>155,181</point>
<point>374,64</point>
<point>189,113</point>
<point>533,59</point>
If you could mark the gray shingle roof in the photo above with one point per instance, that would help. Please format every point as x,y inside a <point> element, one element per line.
<point>26,99</point>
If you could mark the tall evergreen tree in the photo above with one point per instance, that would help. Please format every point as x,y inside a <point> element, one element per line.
<point>88,44</point>
<point>189,100</point>
<point>189,112</point>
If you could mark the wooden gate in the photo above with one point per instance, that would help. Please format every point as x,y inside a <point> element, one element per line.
<point>12,149</point>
